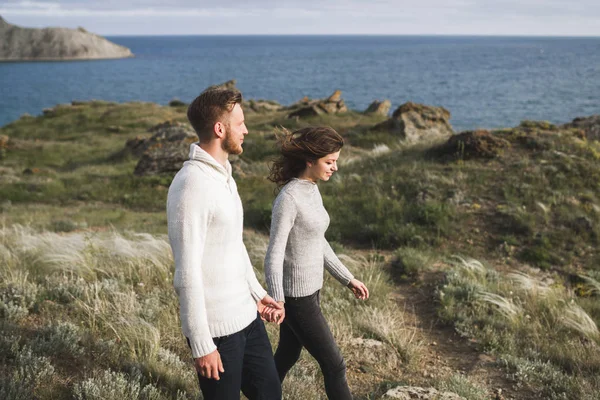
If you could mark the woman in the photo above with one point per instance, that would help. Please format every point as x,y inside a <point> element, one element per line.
<point>298,251</point>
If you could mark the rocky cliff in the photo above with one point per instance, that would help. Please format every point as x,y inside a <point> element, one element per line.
<point>29,44</point>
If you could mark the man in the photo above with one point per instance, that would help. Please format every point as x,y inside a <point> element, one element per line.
<point>214,279</point>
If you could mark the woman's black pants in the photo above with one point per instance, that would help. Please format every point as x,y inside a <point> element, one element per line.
<point>305,326</point>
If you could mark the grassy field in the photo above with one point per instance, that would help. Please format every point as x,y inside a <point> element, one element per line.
<point>87,309</point>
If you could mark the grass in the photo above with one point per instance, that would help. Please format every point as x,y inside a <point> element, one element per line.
<point>95,258</point>
<point>537,326</point>
<point>92,315</point>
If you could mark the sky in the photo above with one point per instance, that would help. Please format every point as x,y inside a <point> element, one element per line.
<point>291,17</point>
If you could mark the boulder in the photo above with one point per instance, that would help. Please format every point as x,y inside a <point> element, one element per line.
<point>165,151</point>
<point>379,107</point>
<point>23,44</point>
<point>414,122</point>
<point>471,145</point>
<point>309,108</point>
<point>262,106</point>
<point>415,392</point>
<point>589,125</point>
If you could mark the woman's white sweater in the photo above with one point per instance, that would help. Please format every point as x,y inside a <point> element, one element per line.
<point>298,250</point>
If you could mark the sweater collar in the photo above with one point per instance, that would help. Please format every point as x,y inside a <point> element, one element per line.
<point>305,182</point>
<point>199,154</point>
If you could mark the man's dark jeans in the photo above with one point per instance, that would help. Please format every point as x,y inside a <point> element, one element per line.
<point>305,326</point>
<point>248,363</point>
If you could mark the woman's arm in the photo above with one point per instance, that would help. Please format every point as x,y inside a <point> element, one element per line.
<point>334,266</point>
<point>282,221</point>
<point>341,273</point>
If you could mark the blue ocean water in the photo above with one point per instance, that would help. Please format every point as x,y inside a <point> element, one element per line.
<point>483,81</point>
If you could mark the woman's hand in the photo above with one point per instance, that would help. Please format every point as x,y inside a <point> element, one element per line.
<point>359,289</point>
<point>272,311</point>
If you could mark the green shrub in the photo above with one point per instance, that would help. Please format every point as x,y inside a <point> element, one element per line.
<point>409,263</point>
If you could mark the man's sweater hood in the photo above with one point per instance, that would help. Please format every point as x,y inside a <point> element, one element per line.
<point>221,172</point>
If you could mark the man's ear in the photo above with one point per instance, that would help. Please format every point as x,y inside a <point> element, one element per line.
<point>219,129</point>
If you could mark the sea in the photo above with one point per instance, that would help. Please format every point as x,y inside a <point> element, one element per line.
<point>485,82</point>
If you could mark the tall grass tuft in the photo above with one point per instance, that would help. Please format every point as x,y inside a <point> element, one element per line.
<point>534,322</point>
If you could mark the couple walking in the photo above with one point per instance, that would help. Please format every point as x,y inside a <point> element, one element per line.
<point>222,304</point>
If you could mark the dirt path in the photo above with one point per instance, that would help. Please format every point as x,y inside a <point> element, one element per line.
<point>444,352</point>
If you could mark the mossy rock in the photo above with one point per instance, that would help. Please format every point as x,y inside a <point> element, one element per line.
<point>480,144</point>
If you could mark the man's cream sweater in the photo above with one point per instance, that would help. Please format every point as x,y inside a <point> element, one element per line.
<point>214,279</point>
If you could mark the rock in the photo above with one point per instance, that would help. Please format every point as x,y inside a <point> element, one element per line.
<point>165,151</point>
<point>4,141</point>
<point>238,166</point>
<point>373,352</point>
<point>335,97</point>
<point>230,84</point>
<point>262,106</point>
<point>308,108</point>
<point>472,144</point>
<point>367,343</point>
<point>589,125</point>
<point>414,122</point>
<point>56,44</point>
<point>304,112</point>
<point>415,392</point>
<point>379,107</point>
<point>177,103</point>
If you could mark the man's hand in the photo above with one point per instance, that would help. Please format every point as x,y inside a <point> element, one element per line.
<point>271,310</point>
<point>209,365</point>
<point>359,289</point>
<point>275,315</point>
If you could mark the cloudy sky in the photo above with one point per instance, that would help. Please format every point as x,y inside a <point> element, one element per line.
<point>189,17</point>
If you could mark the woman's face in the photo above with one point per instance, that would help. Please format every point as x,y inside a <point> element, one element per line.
<point>323,168</point>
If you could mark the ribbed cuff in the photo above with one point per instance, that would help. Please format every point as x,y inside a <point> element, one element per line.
<point>200,347</point>
<point>276,289</point>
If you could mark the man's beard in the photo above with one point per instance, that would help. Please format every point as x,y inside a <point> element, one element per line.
<point>230,145</point>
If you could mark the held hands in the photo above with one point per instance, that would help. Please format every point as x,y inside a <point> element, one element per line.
<point>271,310</point>
<point>359,289</point>
<point>209,365</point>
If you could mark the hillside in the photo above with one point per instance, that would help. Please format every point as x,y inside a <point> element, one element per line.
<point>55,44</point>
<point>481,248</point>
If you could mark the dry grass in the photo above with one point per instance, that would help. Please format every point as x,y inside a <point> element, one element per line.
<point>112,293</point>
<point>535,324</point>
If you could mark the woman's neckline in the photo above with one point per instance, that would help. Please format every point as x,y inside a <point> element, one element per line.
<point>304,180</point>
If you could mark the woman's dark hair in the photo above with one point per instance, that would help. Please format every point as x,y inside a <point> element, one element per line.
<point>300,146</point>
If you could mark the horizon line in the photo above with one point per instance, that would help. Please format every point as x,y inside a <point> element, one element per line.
<point>516,35</point>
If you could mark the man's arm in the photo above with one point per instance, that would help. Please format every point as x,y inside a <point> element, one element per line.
<point>188,214</point>
<point>265,304</point>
